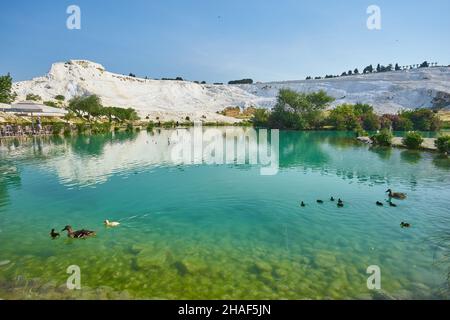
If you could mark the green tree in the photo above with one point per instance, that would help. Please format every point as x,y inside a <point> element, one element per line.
<point>370,121</point>
<point>403,124</point>
<point>89,106</point>
<point>422,119</point>
<point>343,117</point>
<point>368,69</point>
<point>260,118</point>
<point>33,97</point>
<point>6,94</point>
<point>298,111</point>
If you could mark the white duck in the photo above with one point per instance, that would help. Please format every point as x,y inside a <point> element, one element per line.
<point>111,223</point>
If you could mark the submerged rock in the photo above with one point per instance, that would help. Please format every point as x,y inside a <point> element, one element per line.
<point>150,259</point>
<point>261,267</point>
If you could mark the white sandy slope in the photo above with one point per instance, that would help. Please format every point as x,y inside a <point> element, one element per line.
<point>175,100</point>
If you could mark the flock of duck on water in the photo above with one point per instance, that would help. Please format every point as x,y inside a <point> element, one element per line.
<point>391,195</point>
<point>83,233</point>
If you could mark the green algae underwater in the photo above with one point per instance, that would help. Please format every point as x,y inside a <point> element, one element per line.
<point>221,231</point>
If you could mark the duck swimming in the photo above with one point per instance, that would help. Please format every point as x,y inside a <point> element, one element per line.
<point>79,234</point>
<point>340,203</point>
<point>379,204</point>
<point>54,234</point>
<point>319,201</point>
<point>111,223</point>
<point>332,199</point>
<point>396,195</point>
<point>405,225</point>
<point>302,204</point>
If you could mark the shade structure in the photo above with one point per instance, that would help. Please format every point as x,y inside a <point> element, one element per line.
<point>5,107</point>
<point>27,107</point>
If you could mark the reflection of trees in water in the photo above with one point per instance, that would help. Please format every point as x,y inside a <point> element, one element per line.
<point>384,153</point>
<point>9,178</point>
<point>411,156</point>
<point>442,162</point>
<point>341,140</point>
<point>302,148</point>
<point>93,145</point>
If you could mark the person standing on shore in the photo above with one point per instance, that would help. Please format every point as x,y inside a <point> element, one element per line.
<point>39,125</point>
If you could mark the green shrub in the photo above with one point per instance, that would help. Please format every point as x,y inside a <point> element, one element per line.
<point>150,126</point>
<point>169,124</point>
<point>443,144</point>
<point>412,140</point>
<point>99,128</point>
<point>360,132</point>
<point>81,128</point>
<point>260,118</point>
<point>51,104</point>
<point>130,127</point>
<point>67,131</point>
<point>383,138</point>
<point>57,127</point>
<point>33,97</point>
<point>60,97</point>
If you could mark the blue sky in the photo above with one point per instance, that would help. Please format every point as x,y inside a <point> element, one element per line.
<point>216,40</point>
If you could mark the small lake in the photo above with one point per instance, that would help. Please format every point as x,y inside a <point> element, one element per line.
<point>221,231</point>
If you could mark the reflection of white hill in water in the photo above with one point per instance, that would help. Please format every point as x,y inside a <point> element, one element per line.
<point>89,160</point>
<point>117,157</point>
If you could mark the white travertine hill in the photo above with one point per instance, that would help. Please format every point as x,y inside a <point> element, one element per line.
<point>388,92</point>
<point>168,100</point>
<point>175,100</point>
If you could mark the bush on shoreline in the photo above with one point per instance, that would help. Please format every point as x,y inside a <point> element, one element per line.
<point>383,138</point>
<point>413,140</point>
<point>443,144</point>
<point>300,111</point>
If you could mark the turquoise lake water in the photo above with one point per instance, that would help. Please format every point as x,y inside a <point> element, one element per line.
<point>211,231</point>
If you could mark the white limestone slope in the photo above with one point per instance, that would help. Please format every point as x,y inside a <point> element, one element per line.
<point>168,100</point>
<point>175,100</point>
<point>387,91</point>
